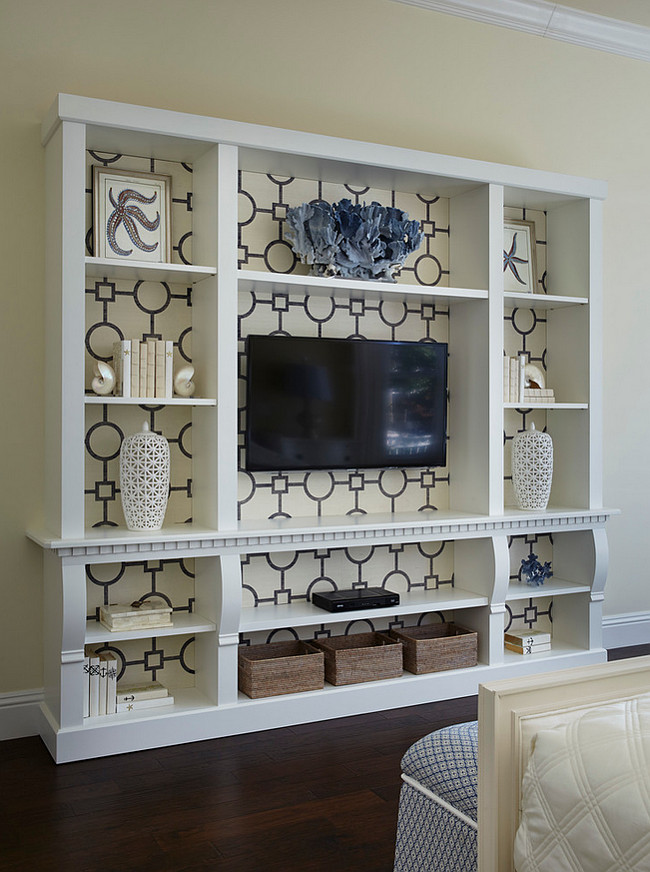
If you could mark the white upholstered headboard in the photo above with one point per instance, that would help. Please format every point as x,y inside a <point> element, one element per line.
<point>511,712</point>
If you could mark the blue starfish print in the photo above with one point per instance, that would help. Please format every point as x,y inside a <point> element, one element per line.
<point>510,261</point>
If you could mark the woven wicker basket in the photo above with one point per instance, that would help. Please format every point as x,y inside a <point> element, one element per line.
<point>437,647</point>
<point>279,667</point>
<point>360,657</point>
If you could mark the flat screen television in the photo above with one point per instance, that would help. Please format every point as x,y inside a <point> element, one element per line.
<point>316,403</point>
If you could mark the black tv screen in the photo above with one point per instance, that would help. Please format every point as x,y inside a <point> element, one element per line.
<point>344,404</point>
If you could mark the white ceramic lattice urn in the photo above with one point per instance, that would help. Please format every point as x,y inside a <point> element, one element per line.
<point>144,479</point>
<point>532,468</point>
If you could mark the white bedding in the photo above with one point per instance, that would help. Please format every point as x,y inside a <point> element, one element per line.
<point>586,794</point>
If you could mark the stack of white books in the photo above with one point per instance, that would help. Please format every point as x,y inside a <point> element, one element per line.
<point>539,395</point>
<point>143,369</point>
<point>142,696</point>
<point>527,641</point>
<point>100,682</point>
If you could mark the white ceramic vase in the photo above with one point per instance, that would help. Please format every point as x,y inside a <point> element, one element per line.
<point>532,468</point>
<point>144,479</point>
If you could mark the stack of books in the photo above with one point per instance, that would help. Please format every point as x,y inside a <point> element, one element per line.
<point>100,683</point>
<point>539,395</point>
<point>527,641</point>
<point>514,384</point>
<point>142,696</point>
<point>102,694</point>
<point>143,369</point>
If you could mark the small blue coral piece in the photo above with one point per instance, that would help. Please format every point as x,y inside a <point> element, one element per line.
<point>535,572</point>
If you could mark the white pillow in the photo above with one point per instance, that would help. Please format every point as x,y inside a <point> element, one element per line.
<point>586,794</point>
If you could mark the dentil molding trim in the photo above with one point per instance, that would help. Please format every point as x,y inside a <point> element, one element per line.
<point>551,20</point>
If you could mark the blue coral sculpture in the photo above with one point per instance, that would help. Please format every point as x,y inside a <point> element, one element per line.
<point>536,573</point>
<point>352,240</point>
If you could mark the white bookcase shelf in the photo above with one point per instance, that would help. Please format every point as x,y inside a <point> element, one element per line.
<point>552,587</point>
<point>96,400</point>
<point>250,280</point>
<point>542,406</point>
<point>270,617</point>
<point>96,633</point>
<point>103,267</point>
<point>541,301</point>
<point>224,546</point>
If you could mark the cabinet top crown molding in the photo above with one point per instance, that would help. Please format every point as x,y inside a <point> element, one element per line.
<point>182,136</point>
<point>553,21</point>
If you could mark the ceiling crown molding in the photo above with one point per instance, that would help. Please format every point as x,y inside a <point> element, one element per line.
<point>551,20</point>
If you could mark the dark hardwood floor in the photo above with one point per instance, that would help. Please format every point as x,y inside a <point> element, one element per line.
<point>311,798</point>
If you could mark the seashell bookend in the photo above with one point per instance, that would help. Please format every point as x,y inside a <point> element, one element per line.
<point>144,479</point>
<point>104,380</point>
<point>183,384</point>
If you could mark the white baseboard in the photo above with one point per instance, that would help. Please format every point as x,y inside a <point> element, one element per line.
<point>623,631</point>
<point>20,714</point>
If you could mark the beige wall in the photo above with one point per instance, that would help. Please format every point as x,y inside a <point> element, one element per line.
<point>364,69</point>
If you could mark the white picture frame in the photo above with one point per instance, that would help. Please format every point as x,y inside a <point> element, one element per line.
<point>519,257</point>
<point>132,215</point>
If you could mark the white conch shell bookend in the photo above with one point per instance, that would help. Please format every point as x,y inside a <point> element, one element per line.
<point>183,384</point>
<point>144,479</point>
<point>104,380</point>
<point>532,468</point>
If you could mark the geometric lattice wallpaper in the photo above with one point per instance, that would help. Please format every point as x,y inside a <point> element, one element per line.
<point>536,611</point>
<point>289,577</point>
<point>525,332</point>
<point>169,659</point>
<point>127,309</point>
<point>123,309</point>
<point>263,204</point>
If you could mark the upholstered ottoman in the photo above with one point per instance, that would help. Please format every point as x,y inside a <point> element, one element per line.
<point>436,825</point>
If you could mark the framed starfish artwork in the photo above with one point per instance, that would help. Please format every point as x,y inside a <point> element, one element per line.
<point>132,215</point>
<point>519,261</point>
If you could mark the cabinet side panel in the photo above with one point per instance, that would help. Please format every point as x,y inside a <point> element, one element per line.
<point>228,583</point>
<point>64,319</point>
<point>475,365</point>
<point>469,457</point>
<point>567,234</point>
<point>469,239</point>
<point>215,339</point>
<point>569,430</point>
<point>52,633</point>
<point>64,629</point>
<point>596,353</point>
<point>207,592</point>
<point>204,334</point>
<point>567,353</point>
<point>227,373</point>
<point>471,406</point>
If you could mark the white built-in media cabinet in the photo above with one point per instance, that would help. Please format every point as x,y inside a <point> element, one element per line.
<point>218,531</point>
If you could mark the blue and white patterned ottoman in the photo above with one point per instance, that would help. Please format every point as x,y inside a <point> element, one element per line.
<point>436,825</point>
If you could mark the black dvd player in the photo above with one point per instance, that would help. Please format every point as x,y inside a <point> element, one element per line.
<point>355,598</point>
